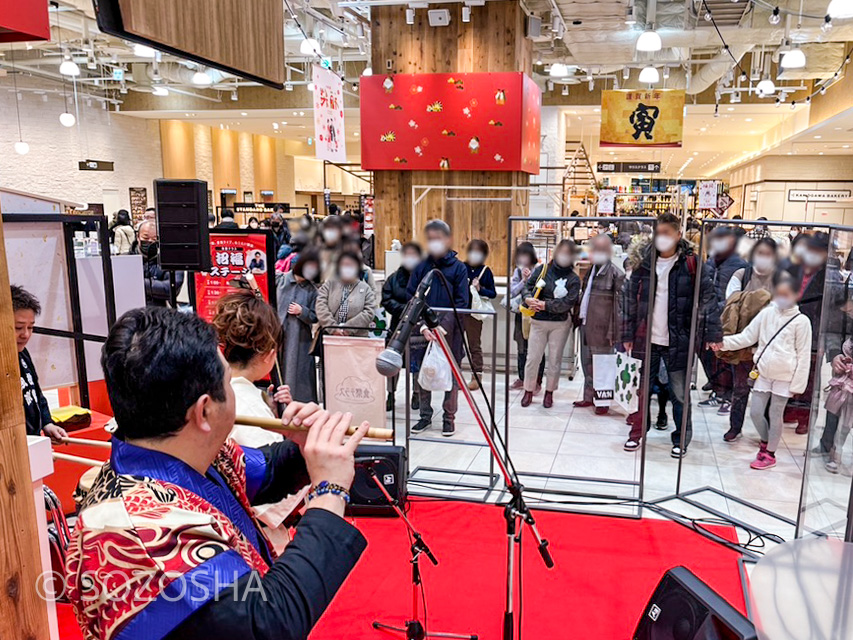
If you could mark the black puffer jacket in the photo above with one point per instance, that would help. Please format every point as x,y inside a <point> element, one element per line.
<point>395,297</point>
<point>680,317</point>
<point>560,293</point>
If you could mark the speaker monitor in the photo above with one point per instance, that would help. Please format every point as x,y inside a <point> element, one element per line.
<point>533,27</point>
<point>182,224</point>
<point>365,496</point>
<point>685,608</point>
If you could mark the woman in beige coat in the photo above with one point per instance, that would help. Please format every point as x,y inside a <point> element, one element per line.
<point>345,300</point>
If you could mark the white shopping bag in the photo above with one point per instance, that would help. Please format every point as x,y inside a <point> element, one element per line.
<point>435,374</point>
<point>627,382</point>
<point>603,378</point>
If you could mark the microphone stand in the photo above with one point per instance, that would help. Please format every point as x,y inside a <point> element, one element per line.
<point>414,628</point>
<point>516,511</point>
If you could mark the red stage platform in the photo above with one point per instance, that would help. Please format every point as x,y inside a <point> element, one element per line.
<point>606,570</point>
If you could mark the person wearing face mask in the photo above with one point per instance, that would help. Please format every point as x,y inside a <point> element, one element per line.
<point>599,315</point>
<point>551,292</point>
<point>331,245</point>
<point>795,255</point>
<point>483,280</point>
<point>525,261</point>
<point>395,298</point>
<point>296,297</point>
<point>721,265</point>
<point>280,231</point>
<point>750,290</point>
<point>783,336</point>
<point>158,288</point>
<point>298,244</point>
<point>345,300</point>
<point>672,318</point>
<point>439,256</point>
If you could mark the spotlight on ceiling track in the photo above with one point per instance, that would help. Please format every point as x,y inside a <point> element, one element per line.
<point>565,90</point>
<point>310,47</point>
<point>558,70</point>
<point>69,67</point>
<point>793,59</point>
<point>649,75</point>
<point>410,16</point>
<point>766,86</point>
<point>142,51</point>
<point>67,119</point>
<point>201,78</point>
<point>550,85</point>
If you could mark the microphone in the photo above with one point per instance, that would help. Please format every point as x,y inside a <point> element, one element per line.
<point>390,361</point>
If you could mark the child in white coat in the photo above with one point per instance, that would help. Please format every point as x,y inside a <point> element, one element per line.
<point>782,362</point>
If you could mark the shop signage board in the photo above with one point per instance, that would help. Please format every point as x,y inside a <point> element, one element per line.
<point>450,122</point>
<point>232,255</point>
<point>368,210</point>
<point>628,167</point>
<point>96,165</point>
<point>818,195</point>
<point>607,201</point>
<point>642,118</point>
<point>707,194</point>
<point>329,137</point>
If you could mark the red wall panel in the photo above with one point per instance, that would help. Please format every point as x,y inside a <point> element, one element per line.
<point>22,20</point>
<point>450,121</point>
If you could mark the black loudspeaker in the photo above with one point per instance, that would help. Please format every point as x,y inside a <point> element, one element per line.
<point>182,224</point>
<point>390,465</point>
<point>685,608</point>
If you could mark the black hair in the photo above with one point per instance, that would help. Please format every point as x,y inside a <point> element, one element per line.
<point>526,249</point>
<point>348,255</point>
<point>438,225</point>
<point>412,246</point>
<point>249,221</point>
<point>257,253</point>
<point>670,219</point>
<point>479,245</point>
<point>264,223</point>
<point>211,219</point>
<point>279,208</point>
<point>227,213</point>
<point>122,218</point>
<point>766,241</point>
<point>737,217</point>
<point>24,300</point>
<point>333,221</point>
<point>306,256</point>
<point>157,363</point>
<point>333,209</point>
<point>565,243</point>
<point>783,277</point>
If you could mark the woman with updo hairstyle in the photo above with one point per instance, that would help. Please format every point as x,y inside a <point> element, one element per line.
<point>249,335</point>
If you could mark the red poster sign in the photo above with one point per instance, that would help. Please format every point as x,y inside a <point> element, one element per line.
<point>232,255</point>
<point>450,122</point>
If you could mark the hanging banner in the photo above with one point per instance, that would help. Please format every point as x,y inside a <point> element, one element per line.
<point>329,138</point>
<point>353,384</point>
<point>232,255</point>
<point>706,197</point>
<point>607,201</point>
<point>642,118</point>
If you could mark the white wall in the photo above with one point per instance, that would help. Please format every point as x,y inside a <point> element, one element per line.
<point>770,199</point>
<point>50,168</point>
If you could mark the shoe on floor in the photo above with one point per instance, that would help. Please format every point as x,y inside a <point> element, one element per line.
<point>602,411</point>
<point>416,401</point>
<point>473,385</point>
<point>713,401</point>
<point>731,435</point>
<point>548,400</point>
<point>833,462</point>
<point>707,386</point>
<point>518,384</point>
<point>802,429</point>
<point>420,426</point>
<point>448,429</point>
<point>678,452</point>
<point>725,409</point>
<point>820,451</point>
<point>527,398</point>
<point>661,423</point>
<point>763,461</point>
<point>632,445</point>
<point>581,404</point>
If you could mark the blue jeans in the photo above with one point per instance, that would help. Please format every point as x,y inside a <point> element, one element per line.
<point>677,387</point>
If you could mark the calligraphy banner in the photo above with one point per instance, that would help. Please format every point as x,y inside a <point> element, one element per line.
<point>329,139</point>
<point>706,197</point>
<point>642,118</point>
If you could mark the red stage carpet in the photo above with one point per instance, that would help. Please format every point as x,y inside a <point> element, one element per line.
<point>606,570</point>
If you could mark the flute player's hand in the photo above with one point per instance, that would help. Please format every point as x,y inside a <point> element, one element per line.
<point>296,413</point>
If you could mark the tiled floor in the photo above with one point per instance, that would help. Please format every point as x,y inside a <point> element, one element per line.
<point>564,441</point>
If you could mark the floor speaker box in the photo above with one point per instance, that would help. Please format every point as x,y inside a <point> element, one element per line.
<point>182,224</point>
<point>685,608</point>
<point>390,466</point>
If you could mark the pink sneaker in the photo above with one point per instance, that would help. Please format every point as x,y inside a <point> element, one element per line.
<point>762,447</point>
<point>763,461</point>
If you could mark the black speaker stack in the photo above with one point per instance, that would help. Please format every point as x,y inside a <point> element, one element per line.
<point>389,462</point>
<point>182,224</point>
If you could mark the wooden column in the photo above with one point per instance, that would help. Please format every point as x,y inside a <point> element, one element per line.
<point>493,41</point>
<point>23,614</point>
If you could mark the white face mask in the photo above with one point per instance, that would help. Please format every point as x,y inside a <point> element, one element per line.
<point>348,273</point>
<point>436,248</point>
<point>599,257</point>
<point>476,257</point>
<point>783,303</point>
<point>563,259</point>
<point>665,244</point>
<point>763,264</point>
<point>719,245</point>
<point>800,250</point>
<point>523,264</point>
<point>331,235</point>
<point>410,262</point>
<point>812,258</point>
<point>310,272</point>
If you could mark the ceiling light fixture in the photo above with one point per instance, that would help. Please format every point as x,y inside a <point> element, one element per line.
<point>160,90</point>
<point>626,73</point>
<point>234,96</point>
<point>310,47</point>
<point>21,147</point>
<point>368,71</point>
<point>826,27</point>
<point>649,75</point>
<point>466,13</point>
<point>67,119</point>
<point>840,9</point>
<point>775,17</point>
<point>311,87</point>
<point>793,59</point>
<point>288,86</point>
<point>649,41</point>
<point>201,78</point>
<point>142,51</point>
<point>766,87</point>
<point>69,67</point>
<point>550,85</point>
<point>565,90</point>
<point>558,70</point>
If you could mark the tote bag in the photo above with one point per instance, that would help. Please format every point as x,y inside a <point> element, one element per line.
<point>478,303</point>
<point>603,378</point>
<point>627,382</point>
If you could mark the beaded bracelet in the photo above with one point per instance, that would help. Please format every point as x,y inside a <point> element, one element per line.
<point>328,487</point>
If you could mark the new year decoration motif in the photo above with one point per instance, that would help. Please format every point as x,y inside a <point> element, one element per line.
<point>395,107</point>
<point>413,124</point>
<point>495,123</point>
<point>500,97</point>
<point>560,290</point>
<point>474,145</point>
<point>416,89</point>
<point>328,101</point>
<point>388,137</point>
<point>444,164</point>
<point>400,160</point>
<point>456,83</point>
<point>388,84</point>
<point>419,151</point>
<point>499,158</point>
<point>466,111</point>
<point>435,107</point>
<point>448,133</point>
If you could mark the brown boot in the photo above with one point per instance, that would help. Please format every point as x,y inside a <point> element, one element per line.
<point>548,400</point>
<point>527,398</point>
<point>473,385</point>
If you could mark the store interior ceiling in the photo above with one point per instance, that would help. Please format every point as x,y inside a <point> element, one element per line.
<point>717,50</point>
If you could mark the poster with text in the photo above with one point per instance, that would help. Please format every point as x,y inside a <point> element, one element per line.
<point>232,255</point>
<point>642,118</point>
<point>707,194</point>
<point>329,138</point>
<point>607,202</point>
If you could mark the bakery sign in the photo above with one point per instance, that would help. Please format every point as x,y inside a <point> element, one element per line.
<point>818,195</point>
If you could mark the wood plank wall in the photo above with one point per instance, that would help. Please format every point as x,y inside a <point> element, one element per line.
<point>492,42</point>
